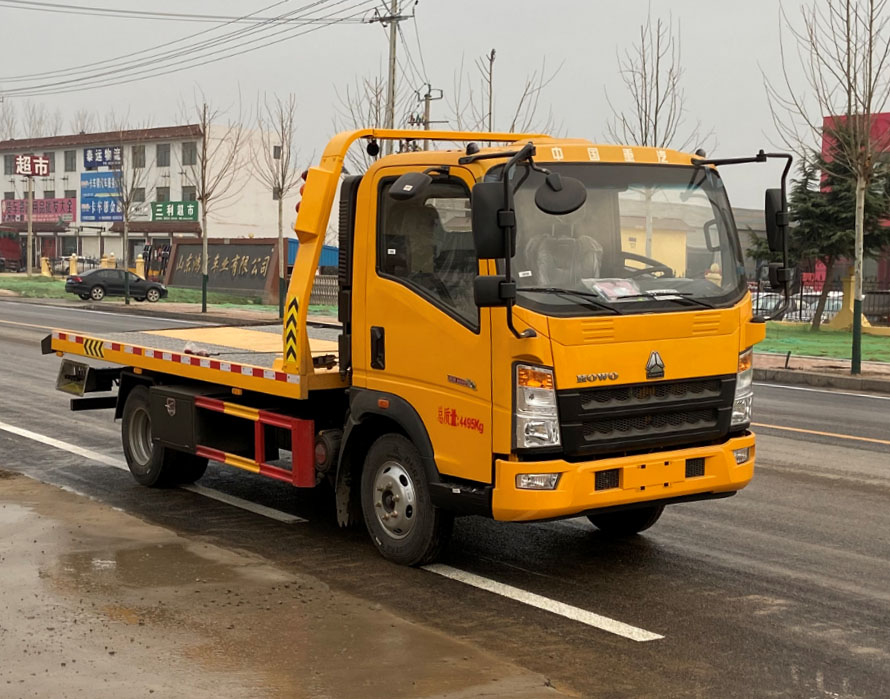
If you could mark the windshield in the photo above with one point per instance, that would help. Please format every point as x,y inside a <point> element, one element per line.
<point>648,238</point>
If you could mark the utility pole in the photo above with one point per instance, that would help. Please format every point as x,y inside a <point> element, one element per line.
<point>431,95</point>
<point>392,19</point>
<point>30,255</point>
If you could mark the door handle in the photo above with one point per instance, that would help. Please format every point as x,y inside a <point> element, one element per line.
<point>378,348</point>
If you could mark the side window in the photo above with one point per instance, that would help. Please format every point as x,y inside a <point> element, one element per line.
<point>428,245</point>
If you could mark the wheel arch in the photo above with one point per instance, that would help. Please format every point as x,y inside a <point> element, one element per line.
<point>129,381</point>
<point>368,419</point>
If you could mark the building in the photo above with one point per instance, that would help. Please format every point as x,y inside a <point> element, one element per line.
<point>78,205</point>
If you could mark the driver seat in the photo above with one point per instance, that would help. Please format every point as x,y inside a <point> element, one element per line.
<point>564,261</point>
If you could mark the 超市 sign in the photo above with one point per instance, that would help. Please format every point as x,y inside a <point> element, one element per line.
<point>32,165</point>
<point>174,211</point>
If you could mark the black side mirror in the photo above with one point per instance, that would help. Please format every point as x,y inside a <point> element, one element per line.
<point>490,217</point>
<point>560,195</point>
<point>776,220</point>
<point>492,291</point>
<point>410,185</point>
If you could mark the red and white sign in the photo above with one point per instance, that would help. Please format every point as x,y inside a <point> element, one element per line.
<point>42,211</point>
<point>32,165</point>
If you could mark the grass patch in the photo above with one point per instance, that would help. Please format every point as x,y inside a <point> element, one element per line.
<point>800,340</point>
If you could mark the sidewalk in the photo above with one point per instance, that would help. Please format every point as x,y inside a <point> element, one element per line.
<point>824,372</point>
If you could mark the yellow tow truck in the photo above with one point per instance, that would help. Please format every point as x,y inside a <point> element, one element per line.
<point>529,329</point>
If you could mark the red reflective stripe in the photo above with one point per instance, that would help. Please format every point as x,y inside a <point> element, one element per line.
<point>303,453</point>
<point>278,473</point>
<point>78,339</point>
<point>137,350</point>
<point>210,403</point>
<point>176,358</point>
<point>214,454</point>
<point>276,420</point>
<point>115,347</point>
<point>280,376</point>
<point>258,373</point>
<point>214,364</point>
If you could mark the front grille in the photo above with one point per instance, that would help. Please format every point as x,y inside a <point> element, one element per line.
<point>695,467</point>
<point>650,393</point>
<point>606,480</point>
<point>614,419</point>
<point>647,424</point>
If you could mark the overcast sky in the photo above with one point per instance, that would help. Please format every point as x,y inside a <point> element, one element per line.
<point>725,43</point>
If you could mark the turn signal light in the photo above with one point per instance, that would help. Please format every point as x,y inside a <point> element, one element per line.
<point>530,377</point>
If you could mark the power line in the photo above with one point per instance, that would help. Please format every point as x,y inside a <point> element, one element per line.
<point>91,11</point>
<point>118,59</point>
<point>186,63</point>
<point>419,47</point>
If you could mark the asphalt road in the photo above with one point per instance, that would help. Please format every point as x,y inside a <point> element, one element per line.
<point>782,590</point>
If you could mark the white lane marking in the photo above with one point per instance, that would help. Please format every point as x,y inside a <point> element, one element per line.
<point>114,313</point>
<point>117,463</point>
<point>568,611</point>
<point>821,390</point>
<point>243,504</point>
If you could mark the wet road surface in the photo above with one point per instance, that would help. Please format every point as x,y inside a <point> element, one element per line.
<point>782,590</point>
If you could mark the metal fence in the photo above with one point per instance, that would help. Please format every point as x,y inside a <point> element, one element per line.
<point>875,305</point>
<point>324,290</point>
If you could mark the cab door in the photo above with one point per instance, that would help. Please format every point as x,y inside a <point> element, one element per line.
<point>424,338</point>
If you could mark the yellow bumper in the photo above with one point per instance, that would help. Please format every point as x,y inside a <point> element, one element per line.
<point>655,476</point>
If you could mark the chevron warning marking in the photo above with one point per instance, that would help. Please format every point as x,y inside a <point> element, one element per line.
<point>290,330</point>
<point>94,348</point>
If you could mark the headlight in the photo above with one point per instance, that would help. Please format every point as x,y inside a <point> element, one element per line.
<point>744,390</point>
<point>535,421</point>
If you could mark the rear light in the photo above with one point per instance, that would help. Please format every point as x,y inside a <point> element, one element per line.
<point>75,279</point>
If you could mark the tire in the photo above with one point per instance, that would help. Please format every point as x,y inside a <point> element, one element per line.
<point>140,299</point>
<point>627,522</point>
<point>152,295</point>
<point>97,293</point>
<point>151,464</point>
<point>403,523</point>
<point>84,297</point>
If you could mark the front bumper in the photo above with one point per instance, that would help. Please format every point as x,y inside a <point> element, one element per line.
<point>641,478</point>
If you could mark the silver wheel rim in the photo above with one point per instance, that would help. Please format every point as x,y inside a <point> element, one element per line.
<point>152,294</point>
<point>395,500</point>
<point>97,294</point>
<point>139,434</point>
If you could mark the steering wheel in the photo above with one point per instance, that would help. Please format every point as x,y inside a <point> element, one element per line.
<point>653,266</point>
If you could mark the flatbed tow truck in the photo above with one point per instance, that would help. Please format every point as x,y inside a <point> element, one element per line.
<point>538,329</point>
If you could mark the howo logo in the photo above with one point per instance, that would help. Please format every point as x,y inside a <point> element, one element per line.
<point>593,378</point>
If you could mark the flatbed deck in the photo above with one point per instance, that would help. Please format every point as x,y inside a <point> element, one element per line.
<point>249,358</point>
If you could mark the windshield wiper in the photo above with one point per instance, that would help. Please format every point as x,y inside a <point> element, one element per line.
<point>592,300</point>
<point>668,296</point>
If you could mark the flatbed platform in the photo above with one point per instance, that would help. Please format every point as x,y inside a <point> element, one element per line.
<point>249,358</point>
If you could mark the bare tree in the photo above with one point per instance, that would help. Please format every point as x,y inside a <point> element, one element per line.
<point>843,49</point>
<point>83,121</point>
<point>8,120</point>
<point>39,121</point>
<point>129,183</point>
<point>362,105</point>
<point>215,171</point>
<point>473,102</point>
<point>652,73</point>
<point>274,162</point>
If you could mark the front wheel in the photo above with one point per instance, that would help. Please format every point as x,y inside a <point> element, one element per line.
<point>150,463</point>
<point>627,522</point>
<point>403,523</point>
<point>152,295</point>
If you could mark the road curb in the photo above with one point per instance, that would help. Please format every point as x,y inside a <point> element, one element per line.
<point>813,378</point>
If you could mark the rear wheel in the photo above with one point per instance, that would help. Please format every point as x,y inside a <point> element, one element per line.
<point>97,293</point>
<point>403,523</point>
<point>627,522</point>
<point>152,295</point>
<point>85,297</point>
<point>150,463</point>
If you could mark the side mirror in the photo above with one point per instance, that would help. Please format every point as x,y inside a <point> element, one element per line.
<point>490,217</point>
<point>776,220</point>
<point>560,195</point>
<point>410,185</point>
<point>779,276</point>
<point>492,291</point>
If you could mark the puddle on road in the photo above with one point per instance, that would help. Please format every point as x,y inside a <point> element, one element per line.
<point>96,603</point>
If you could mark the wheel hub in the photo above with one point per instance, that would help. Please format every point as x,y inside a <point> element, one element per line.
<point>395,501</point>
